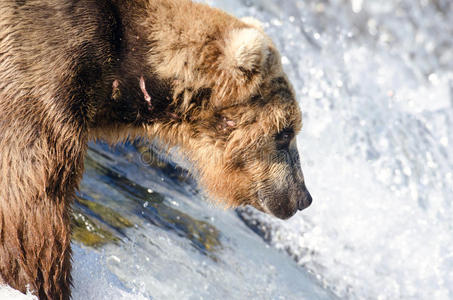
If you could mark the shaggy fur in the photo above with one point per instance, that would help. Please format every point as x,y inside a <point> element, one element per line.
<point>189,75</point>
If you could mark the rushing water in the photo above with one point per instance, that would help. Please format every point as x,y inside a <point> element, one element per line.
<point>375,83</point>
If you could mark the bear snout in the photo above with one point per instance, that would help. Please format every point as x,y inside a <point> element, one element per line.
<point>284,203</point>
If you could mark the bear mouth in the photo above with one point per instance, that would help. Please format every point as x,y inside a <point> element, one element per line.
<point>279,207</point>
<point>262,206</point>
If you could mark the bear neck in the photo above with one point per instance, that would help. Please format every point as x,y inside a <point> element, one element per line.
<point>135,75</point>
<point>169,44</point>
<point>133,93</point>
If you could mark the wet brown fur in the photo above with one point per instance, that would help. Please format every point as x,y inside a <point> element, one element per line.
<point>70,72</point>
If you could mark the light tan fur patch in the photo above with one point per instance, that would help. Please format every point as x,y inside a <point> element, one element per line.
<point>245,48</point>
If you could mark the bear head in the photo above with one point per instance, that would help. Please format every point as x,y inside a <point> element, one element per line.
<point>235,114</point>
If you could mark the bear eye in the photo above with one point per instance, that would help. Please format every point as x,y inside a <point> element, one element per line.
<point>283,138</point>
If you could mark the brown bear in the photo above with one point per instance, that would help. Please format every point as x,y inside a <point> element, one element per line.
<point>189,75</point>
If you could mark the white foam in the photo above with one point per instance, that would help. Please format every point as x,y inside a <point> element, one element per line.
<point>8,293</point>
<point>375,150</point>
<point>93,280</point>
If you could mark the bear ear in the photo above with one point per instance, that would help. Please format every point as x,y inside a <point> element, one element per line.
<point>253,22</point>
<point>246,49</point>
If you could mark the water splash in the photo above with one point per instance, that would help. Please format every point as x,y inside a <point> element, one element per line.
<point>375,85</point>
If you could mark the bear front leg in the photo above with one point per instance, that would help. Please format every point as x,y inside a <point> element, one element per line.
<point>39,171</point>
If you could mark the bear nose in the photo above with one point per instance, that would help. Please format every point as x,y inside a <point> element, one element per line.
<point>304,201</point>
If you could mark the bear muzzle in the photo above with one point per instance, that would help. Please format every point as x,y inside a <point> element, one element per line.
<point>284,204</point>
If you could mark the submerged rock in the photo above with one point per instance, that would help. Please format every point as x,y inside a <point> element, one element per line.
<point>87,232</point>
<point>104,212</point>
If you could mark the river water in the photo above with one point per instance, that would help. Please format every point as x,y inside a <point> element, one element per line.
<point>375,83</point>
